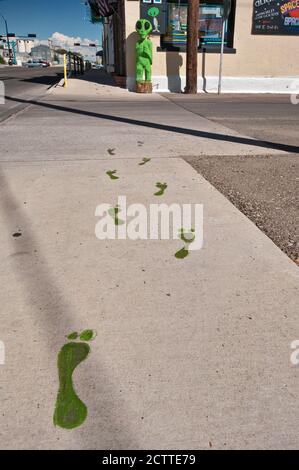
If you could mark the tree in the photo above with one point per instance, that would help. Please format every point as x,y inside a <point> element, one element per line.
<point>61,51</point>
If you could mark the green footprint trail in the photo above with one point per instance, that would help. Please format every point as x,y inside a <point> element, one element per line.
<point>162,187</point>
<point>144,161</point>
<point>112,175</point>
<point>187,236</point>
<point>70,412</point>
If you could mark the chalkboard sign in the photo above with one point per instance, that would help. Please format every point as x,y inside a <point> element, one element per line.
<point>155,11</point>
<point>275,17</point>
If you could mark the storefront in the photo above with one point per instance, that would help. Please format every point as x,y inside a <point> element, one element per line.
<point>261,44</point>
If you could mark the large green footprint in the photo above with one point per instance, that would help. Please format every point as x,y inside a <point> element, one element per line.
<point>70,411</point>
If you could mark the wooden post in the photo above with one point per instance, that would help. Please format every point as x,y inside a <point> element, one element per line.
<point>192,45</point>
<point>70,64</point>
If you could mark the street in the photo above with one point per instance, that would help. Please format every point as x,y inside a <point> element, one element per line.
<point>207,118</point>
<point>25,83</point>
<point>262,116</point>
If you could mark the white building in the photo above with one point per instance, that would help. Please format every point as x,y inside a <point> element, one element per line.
<point>24,45</point>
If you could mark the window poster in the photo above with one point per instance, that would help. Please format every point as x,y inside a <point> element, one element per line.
<point>210,23</point>
<point>155,12</point>
<point>279,17</point>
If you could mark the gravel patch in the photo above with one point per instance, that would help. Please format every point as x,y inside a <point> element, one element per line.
<point>265,189</point>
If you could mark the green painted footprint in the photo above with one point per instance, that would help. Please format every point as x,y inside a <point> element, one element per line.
<point>187,237</point>
<point>70,412</point>
<point>111,174</point>
<point>162,187</point>
<point>144,161</point>
<point>113,212</point>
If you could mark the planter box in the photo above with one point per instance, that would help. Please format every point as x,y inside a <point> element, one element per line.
<point>144,87</point>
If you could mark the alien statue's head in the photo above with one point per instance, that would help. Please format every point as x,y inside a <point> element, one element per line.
<point>143,28</point>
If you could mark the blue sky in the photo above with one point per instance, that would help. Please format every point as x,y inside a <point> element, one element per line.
<point>45,17</point>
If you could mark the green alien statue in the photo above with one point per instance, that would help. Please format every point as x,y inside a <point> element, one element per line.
<point>144,52</point>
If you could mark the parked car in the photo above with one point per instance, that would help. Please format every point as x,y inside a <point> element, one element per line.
<point>37,63</point>
<point>32,63</point>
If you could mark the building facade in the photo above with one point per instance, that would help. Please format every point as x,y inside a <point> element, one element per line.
<point>24,46</point>
<point>20,46</point>
<point>260,44</point>
<point>42,52</point>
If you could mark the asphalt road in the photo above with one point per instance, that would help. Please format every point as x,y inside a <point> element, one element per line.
<point>266,117</point>
<point>21,82</point>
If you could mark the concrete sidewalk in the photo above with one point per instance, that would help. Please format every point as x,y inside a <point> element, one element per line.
<point>191,353</point>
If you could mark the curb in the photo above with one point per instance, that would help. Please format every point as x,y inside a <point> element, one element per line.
<point>21,107</point>
<point>15,110</point>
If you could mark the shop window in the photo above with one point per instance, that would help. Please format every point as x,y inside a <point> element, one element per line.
<point>209,28</point>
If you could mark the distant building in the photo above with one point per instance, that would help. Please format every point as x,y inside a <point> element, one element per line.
<point>24,45</point>
<point>20,46</point>
<point>41,52</point>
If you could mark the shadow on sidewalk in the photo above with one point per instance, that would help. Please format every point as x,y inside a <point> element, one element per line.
<point>165,127</point>
<point>100,77</point>
<point>44,79</point>
<point>52,311</point>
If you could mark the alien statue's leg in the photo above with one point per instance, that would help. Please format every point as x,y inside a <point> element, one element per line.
<point>148,72</point>
<point>139,72</point>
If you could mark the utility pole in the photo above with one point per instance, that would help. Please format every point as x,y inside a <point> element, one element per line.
<point>192,45</point>
<point>227,4</point>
